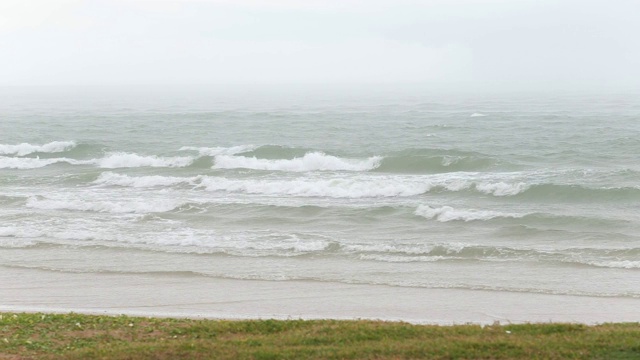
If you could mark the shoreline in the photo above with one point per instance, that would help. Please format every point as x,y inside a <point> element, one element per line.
<point>174,296</point>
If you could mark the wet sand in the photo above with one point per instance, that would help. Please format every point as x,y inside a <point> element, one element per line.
<point>203,297</point>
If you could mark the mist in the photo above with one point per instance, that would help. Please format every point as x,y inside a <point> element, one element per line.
<point>459,44</point>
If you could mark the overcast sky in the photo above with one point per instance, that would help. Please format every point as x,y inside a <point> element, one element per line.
<point>517,44</point>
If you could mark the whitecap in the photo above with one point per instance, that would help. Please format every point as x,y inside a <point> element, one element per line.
<point>447,213</point>
<point>131,160</point>
<point>140,206</point>
<point>213,151</point>
<point>619,264</point>
<point>477,115</point>
<point>502,188</point>
<point>26,148</point>
<point>34,163</point>
<point>334,188</point>
<point>110,178</point>
<point>313,161</point>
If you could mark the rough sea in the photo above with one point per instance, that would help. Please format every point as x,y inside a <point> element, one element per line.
<point>533,193</point>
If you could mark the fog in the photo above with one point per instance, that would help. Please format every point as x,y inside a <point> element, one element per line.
<point>448,44</point>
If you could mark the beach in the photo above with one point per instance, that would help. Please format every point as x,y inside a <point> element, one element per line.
<point>180,296</point>
<point>412,206</point>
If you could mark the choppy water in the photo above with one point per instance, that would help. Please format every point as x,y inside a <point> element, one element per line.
<point>533,193</point>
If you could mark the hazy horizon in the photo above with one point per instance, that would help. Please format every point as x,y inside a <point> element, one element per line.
<point>493,45</point>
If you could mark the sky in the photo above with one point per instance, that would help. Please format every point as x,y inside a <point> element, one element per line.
<point>492,44</point>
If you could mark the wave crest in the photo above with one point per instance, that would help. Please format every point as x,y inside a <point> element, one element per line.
<point>129,160</point>
<point>110,178</point>
<point>334,188</point>
<point>447,213</point>
<point>138,207</point>
<point>214,151</point>
<point>313,161</point>
<point>26,148</point>
<point>34,163</point>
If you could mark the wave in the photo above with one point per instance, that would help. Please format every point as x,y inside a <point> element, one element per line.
<point>277,244</point>
<point>417,164</point>
<point>447,213</point>
<point>575,192</point>
<point>26,148</point>
<point>110,178</point>
<point>594,257</point>
<point>142,206</point>
<point>112,161</point>
<point>129,160</point>
<point>277,152</point>
<point>501,188</point>
<point>438,161</point>
<point>304,187</point>
<point>364,185</point>
<point>477,115</point>
<point>314,161</point>
<point>334,188</point>
<point>34,163</point>
<point>214,151</point>
<point>618,264</point>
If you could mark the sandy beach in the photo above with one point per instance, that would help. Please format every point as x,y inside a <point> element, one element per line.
<point>203,297</point>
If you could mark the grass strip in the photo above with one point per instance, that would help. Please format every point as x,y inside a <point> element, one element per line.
<point>76,336</point>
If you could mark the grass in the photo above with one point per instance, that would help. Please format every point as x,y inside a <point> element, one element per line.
<point>75,336</point>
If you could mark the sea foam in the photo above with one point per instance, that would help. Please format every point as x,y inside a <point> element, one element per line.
<point>214,151</point>
<point>26,148</point>
<point>141,206</point>
<point>502,188</point>
<point>313,161</point>
<point>334,188</point>
<point>110,178</point>
<point>130,160</point>
<point>34,163</point>
<point>447,213</point>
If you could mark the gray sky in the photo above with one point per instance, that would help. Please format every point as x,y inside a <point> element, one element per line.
<point>505,44</point>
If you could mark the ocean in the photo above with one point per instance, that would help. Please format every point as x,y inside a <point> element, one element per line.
<point>524,193</point>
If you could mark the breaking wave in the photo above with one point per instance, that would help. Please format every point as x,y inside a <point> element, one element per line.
<point>110,178</point>
<point>34,163</point>
<point>334,188</point>
<point>214,151</point>
<point>447,213</point>
<point>129,160</point>
<point>141,206</point>
<point>26,148</point>
<point>314,161</point>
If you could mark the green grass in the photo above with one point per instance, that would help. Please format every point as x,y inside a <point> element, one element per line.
<point>75,336</point>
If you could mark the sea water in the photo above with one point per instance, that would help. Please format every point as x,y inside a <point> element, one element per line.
<point>534,193</point>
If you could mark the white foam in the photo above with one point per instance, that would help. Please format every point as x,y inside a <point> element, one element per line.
<point>334,188</point>
<point>130,160</point>
<point>26,148</point>
<point>447,213</point>
<point>502,188</point>
<point>312,161</point>
<point>213,151</point>
<point>20,232</point>
<point>250,243</point>
<point>110,178</point>
<point>34,163</point>
<point>389,248</point>
<point>8,231</point>
<point>400,259</point>
<point>620,264</point>
<point>450,160</point>
<point>140,206</point>
<point>477,115</point>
